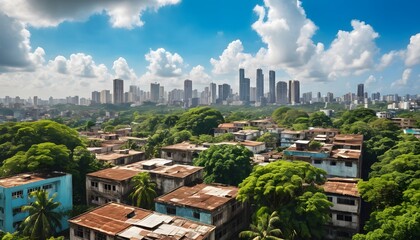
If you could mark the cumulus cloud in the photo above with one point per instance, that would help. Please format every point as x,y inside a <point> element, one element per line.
<point>388,58</point>
<point>48,13</point>
<point>123,71</point>
<point>413,51</point>
<point>15,48</point>
<point>370,80</point>
<point>199,75</point>
<point>287,33</point>
<point>403,81</point>
<point>163,63</point>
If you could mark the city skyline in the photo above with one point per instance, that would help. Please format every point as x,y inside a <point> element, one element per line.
<point>65,49</point>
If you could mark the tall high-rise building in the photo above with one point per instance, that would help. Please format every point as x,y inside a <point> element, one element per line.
<point>187,92</point>
<point>360,92</point>
<point>213,92</point>
<point>272,86</point>
<point>226,91</point>
<point>330,97</point>
<point>220,92</point>
<point>244,86</point>
<point>294,92</point>
<point>154,92</point>
<point>260,84</point>
<point>105,96</point>
<point>96,97</point>
<point>281,92</point>
<point>118,92</point>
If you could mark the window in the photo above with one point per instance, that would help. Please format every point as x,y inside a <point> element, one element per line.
<point>196,215</point>
<point>330,199</point>
<point>183,155</point>
<point>17,210</point>
<point>78,231</point>
<point>333,163</point>
<point>317,161</point>
<point>114,188</point>
<point>346,218</point>
<point>48,186</point>
<point>346,201</point>
<point>343,234</point>
<point>17,194</point>
<point>169,154</point>
<point>217,218</point>
<point>100,236</point>
<point>33,189</point>
<point>349,164</point>
<point>94,184</point>
<point>171,210</point>
<point>94,198</point>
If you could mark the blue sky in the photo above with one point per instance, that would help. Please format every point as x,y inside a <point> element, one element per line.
<point>61,48</point>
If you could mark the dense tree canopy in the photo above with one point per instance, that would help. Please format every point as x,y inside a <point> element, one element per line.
<point>319,119</point>
<point>228,164</point>
<point>394,191</point>
<point>200,120</point>
<point>290,188</point>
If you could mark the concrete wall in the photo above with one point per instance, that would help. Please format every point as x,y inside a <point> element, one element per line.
<point>340,169</point>
<point>186,212</point>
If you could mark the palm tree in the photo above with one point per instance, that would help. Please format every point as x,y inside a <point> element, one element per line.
<point>266,228</point>
<point>144,191</point>
<point>42,221</point>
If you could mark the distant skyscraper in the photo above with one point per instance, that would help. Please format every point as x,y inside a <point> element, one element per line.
<point>105,96</point>
<point>36,101</point>
<point>294,92</point>
<point>226,91</point>
<point>281,92</point>
<point>118,92</point>
<point>220,92</point>
<point>272,86</point>
<point>96,97</point>
<point>330,97</point>
<point>360,92</point>
<point>244,86</point>
<point>213,92</point>
<point>187,92</point>
<point>260,84</point>
<point>154,92</point>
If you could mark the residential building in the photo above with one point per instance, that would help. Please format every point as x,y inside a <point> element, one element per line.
<point>15,193</point>
<point>224,128</point>
<point>121,157</point>
<point>124,222</point>
<point>154,92</point>
<point>96,97</point>
<point>181,153</point>
<point>187,93</point>
<point>260,85</point>
<point>118,92</point>
<point>272,86</point>
<point>244,86</point>
<point>105,97</point>
<point>253,146</point>
<point>247,134</point>
<point>114,184</point>
<point>294,92</point>
<point>404,123</point>
<point>346,211</point>
<point>328,133</point>
<point>289,137</point>
<point>213,92</point>
<point>263,123</point>
<point>281,96</point>
<point>210,204</point>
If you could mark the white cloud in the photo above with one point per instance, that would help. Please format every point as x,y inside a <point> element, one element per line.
<point>48,13</point>
<point>388,58</point>
<point>403,81</point>
<point>163,63</point>
<point>413,51</point>
<point>199,75</point>
<point>231,59</point>
<point>123,71</point>
<point>15,48</point>
<point>370,80</point>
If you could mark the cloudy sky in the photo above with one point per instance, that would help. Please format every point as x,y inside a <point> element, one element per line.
<point>60,48</point>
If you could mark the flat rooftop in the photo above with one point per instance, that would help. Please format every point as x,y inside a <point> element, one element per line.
<point>184,146</point>
<point>116,155</point>
<point>342,186</point>
<point>201,196</point>
<point>251,143</point>
<point>346,153</point>
<point>117,174</point>
<point>348,138</point>
<point>26,178</point>
<point>177,171</point>
<point>226,125</point>
<point>135,223</point>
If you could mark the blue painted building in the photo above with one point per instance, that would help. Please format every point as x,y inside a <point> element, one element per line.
<point>15,193</point>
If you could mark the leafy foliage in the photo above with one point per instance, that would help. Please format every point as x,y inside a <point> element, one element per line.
<point>267,228</point>
<point>319,119</point>
<point>290,189</point>
<point>200,120</point>
<point>144,192</point>
<point>43,220</point>
<point>228,164</point>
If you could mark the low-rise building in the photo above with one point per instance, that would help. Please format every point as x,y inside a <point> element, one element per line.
<point>263,123</point>
<point>346,211</point>
<point>224,128</point>
<point>209,204</point>
<point>253,146</point>
<point>114,184</point>
<point>122,222</point>
<point>121,157</point>
<point>329,133</point>
<point>288,137</point>
<point>248,134</point>
<point>182,153</point>
<point>15,193</point>
<point>404,123</point>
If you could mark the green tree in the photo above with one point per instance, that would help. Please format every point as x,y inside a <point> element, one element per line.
<point>267,228</point>
<point>291,189</point>
<point>270,139</point>
<point>319,119</point>
<point>279,113</point>
<point>43,220</point>
<point>228,164</point>
<point>144,192</point>
<point>200,120</point>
